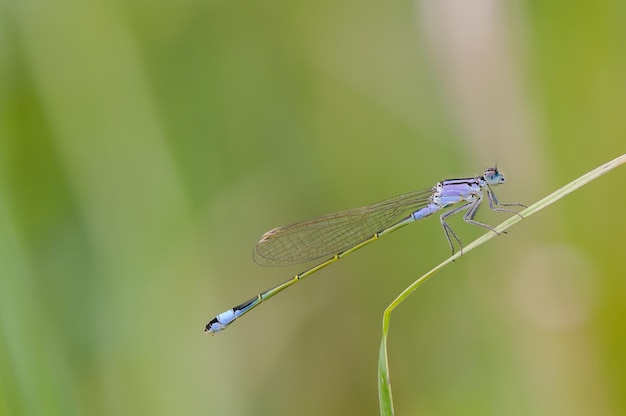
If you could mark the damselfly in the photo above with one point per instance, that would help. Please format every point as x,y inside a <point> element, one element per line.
<point>342,233</point>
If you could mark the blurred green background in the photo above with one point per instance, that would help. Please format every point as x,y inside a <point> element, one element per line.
<point>145,147</point>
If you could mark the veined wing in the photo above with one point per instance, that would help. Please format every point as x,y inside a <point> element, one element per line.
<point>334,233</point>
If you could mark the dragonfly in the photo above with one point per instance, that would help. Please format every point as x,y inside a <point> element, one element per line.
<point>334,236</point>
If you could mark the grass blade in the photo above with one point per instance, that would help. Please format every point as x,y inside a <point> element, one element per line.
<point>385,399</point>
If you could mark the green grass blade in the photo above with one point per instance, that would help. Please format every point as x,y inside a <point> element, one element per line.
<point>384,384</point>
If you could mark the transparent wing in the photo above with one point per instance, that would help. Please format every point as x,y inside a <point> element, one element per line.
<point>334,233</point>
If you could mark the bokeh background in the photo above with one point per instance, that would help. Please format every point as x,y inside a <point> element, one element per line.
<point>145,147</point>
